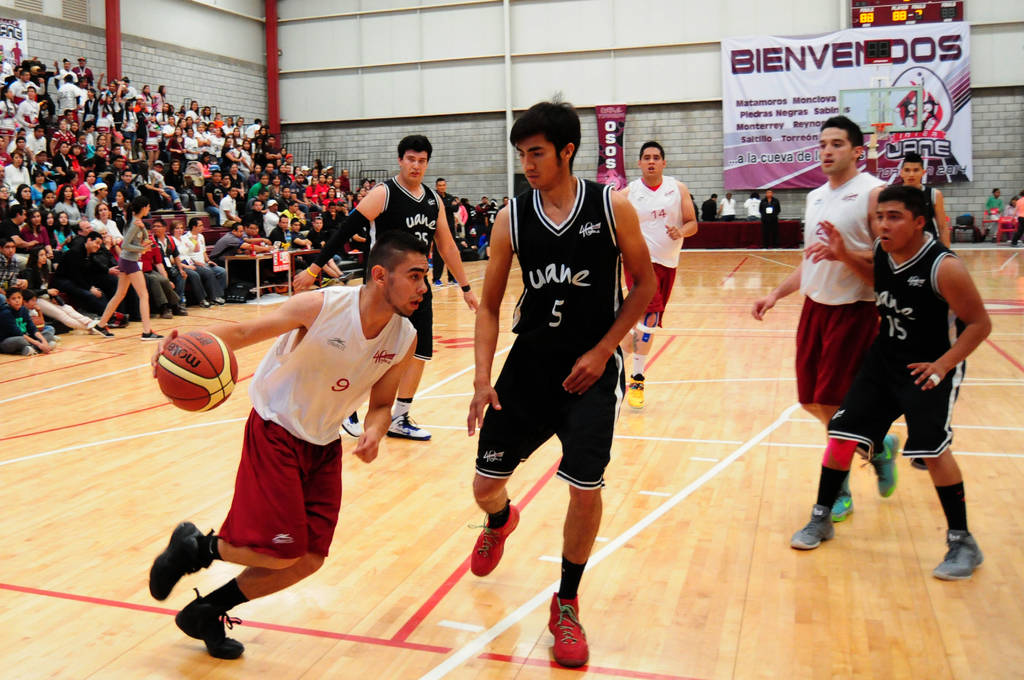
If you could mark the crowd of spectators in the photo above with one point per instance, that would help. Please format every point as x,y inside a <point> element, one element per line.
<point>76,150</point>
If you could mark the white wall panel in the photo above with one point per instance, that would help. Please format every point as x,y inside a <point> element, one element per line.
<point>196,27</point>
<point>561,25</point>
<point>464,86</point>
<point>333,96</point>
<point>462,32</point>
<point>316,44</point>
<point>390,37</point>
<point>603,51</point>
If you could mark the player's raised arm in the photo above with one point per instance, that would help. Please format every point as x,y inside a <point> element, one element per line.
<point>357,221</point>
<point>485,336</point>
<point>637,261</point>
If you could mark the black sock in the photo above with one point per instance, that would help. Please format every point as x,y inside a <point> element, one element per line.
<point>952,499</point>
<point>404,401</point>
<point>571,575</point>
<point>208,550</point>
<point>498,519</point>
<point>829,485</point>
<point>227,596</point>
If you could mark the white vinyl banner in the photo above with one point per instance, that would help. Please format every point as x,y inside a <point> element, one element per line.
<point>13,40</point>
<point>776,93</point>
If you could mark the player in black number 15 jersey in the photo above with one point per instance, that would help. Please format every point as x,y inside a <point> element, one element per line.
<point>564,375</point>
<point>932,319</point>
<point>401,203</point>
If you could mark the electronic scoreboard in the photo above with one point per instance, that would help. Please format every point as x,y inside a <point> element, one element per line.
<point>894,13</point>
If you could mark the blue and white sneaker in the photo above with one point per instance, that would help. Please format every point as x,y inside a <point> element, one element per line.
<point>843,506</point>
<point>403,427</point>
<point>351,426</point>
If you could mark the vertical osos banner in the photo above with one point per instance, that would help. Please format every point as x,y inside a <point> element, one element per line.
<point>611,124</point>
<point>776,93</point>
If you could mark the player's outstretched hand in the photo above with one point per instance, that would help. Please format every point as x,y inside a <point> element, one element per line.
<point>483,397</point>
<point>585,372</point>
<point>928,374</point>
<point>470,298</point>
<point>762,306</point>
<point>834,248</point>
<point>366,447</point>
<point>160,348</point>
<point>303,280</point>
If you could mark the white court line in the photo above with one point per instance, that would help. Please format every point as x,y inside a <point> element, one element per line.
<point>75,382</point>
<point>684,440</point>
<point>472,628</point>
<point>706,460</point>
<point>768,259</point>
<point>997,428</point>
<point>447,396</point>
<point>718,380</point>
<point>1008,261</point>
<point>476,645</point>
<point>664,494</point>
<point>602,539</point>
<point>455,375</point>
<point>790,331</point>
<point>121,439</point>
<point>980,454</point>
<point>548,558</point>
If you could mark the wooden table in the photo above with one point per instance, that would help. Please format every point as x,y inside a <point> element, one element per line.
<point>267,256</point>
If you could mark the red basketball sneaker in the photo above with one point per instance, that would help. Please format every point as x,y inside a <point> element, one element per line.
<point>490,545</point>
<point>570,639</point>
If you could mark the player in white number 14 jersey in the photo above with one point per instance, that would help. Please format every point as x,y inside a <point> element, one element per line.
<point>667,216</point>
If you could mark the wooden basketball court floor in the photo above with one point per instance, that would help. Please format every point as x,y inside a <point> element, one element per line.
<point>692,576</point>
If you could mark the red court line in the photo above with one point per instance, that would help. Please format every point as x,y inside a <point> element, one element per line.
<point>657,354</point>
<point>1006,355</point>
<point>98,420</point>
<point>311,632</point>
<point>736,268</point>
<point>600,670</point>
<point>435,598</point>
<point>59,368</point>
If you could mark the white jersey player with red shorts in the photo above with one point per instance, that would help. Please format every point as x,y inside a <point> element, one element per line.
<point>666,214</point>
<point>333,347</point>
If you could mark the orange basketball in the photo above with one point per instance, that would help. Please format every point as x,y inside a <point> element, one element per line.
<point>196,371</point>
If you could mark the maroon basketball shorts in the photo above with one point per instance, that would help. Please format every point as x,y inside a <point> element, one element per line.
<point>666,277</point>
<point>287,493</point>
<point>831,340</point>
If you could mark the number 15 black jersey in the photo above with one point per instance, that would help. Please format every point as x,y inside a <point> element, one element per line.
<point>571,289</point>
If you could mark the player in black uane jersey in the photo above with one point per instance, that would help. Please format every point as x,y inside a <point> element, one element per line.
<point>912,174</point>
<point>403,203</point>
<point>932,319</point>
<point>564,375</point>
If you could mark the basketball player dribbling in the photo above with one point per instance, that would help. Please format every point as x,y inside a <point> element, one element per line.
<point>334,347</point>
<point>932,319</point>
<point>838,321</point>
<point>402,203</point>
<point>667,216</point>
<point>564,375</point>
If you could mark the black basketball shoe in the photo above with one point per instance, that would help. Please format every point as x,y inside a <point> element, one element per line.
<point>205,622</point>
<point>179,558</point>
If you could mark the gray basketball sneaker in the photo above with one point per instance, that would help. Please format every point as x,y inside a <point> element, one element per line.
<point>962,558</point>
<point>817,530</point>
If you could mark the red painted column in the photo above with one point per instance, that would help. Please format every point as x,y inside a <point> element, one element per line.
<point>113,35</point>
<point>273,97</point>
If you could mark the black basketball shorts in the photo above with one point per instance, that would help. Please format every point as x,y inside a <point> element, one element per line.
<point>883,391</point>
<point>423,321</point>
<point>534,407</point>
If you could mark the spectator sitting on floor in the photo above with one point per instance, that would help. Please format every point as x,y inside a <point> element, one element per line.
<point>37,275</point>
<point>18,335</point>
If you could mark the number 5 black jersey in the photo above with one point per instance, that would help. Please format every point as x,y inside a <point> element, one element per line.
<point>571,290</point>
<point>917,323</point>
